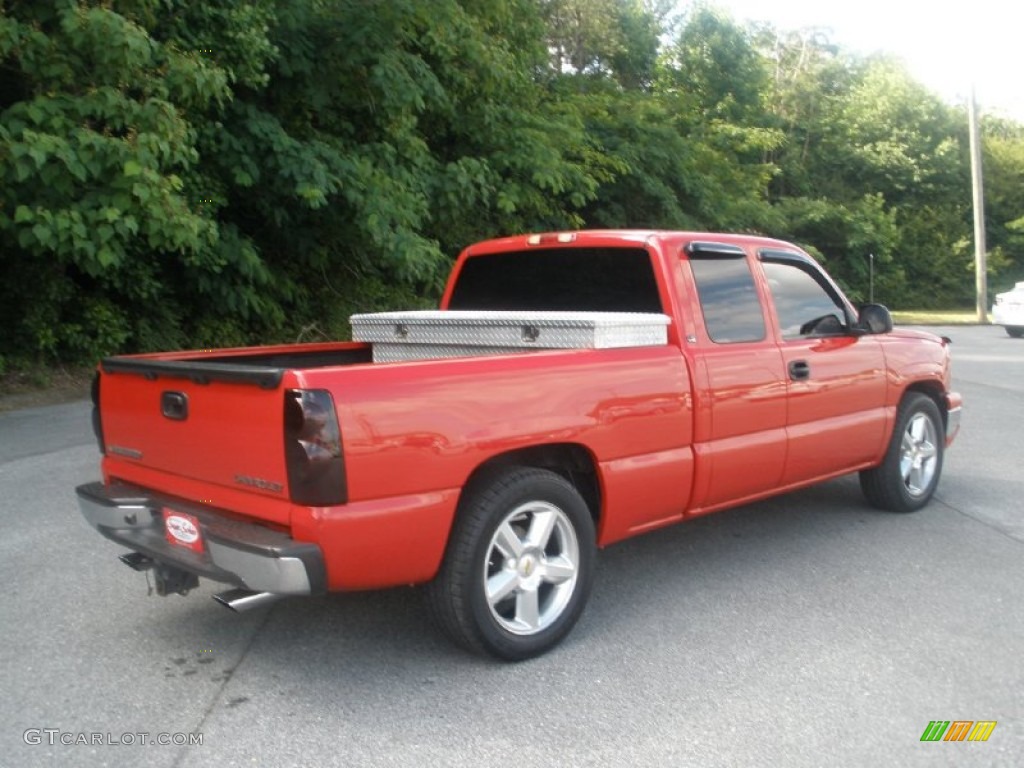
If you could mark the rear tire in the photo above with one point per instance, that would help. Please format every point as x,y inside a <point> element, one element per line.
<point>909,473</point>
<point>1016,331</point>
<point>519,565</point>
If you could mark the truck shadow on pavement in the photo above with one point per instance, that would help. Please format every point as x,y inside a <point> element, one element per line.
<point>767,549</point>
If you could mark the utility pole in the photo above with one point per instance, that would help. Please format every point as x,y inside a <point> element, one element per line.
<point>978,193</point>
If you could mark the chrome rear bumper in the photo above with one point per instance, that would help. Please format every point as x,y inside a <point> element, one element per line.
<point>243,554</point>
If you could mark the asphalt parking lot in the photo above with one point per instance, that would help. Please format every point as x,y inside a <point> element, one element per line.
<point>808,630</point>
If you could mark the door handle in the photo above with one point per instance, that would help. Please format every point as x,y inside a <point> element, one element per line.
<point>799,369</point>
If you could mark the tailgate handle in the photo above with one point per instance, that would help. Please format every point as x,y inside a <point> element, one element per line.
<point>799,369</point>
<point>174,405</point>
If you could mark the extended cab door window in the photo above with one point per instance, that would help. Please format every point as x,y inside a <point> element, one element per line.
<point>728,297</point>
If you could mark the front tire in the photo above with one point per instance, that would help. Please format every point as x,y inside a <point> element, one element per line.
<point>519,565</point>
<point>1016,331</point>
<point>909,473</point>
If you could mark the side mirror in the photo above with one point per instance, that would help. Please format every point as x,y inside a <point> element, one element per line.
<point>874,318</point>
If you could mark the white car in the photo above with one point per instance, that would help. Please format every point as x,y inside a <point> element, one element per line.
<point>1008,311</point>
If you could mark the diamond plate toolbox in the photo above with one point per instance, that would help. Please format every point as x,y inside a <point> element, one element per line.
<point>419,335</point>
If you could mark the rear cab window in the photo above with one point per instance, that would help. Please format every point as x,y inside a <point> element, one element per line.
<point>580,279</point>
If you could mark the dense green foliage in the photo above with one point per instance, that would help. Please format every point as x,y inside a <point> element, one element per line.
<point>175,173</point>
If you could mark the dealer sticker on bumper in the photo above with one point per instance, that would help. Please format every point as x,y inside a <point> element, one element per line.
<point>183,529</point>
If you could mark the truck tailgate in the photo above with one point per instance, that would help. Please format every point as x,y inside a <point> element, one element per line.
<point>222,432</point>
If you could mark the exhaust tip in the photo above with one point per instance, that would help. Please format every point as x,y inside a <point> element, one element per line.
<point>242,600</point>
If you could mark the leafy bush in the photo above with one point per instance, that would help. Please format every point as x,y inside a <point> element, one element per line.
<point>182,174</point>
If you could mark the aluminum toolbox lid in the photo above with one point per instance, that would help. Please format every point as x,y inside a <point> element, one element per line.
<point>516,329</point>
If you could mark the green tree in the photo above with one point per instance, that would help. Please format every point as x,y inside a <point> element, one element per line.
<point>99,209</point>
<point>1003,145</point>
<point>176,173</point>
<point>213,173</point>
<point>434,132</point>
<point>715,61</point>
<point>872,163</point>
<point>617,39</point>
<point>810,79</point>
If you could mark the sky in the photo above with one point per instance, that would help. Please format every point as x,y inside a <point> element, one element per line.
<point>944,44</point>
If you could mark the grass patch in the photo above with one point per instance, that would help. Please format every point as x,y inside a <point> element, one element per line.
<point>33,385</point>
<point>935,317</point>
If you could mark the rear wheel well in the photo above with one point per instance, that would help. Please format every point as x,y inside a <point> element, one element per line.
<point>570,460</point>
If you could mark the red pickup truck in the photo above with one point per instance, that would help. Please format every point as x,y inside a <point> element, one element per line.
<point>493,475</point>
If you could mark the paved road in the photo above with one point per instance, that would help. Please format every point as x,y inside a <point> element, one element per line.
<point>805,631</point>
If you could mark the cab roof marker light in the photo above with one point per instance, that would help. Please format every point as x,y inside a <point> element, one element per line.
<point>551,237</point>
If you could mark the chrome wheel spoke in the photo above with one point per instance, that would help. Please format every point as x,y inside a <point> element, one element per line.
<point>541,527</point>
<point>558,569</point>
<point>914,480</point>
<point>528,609</point>
<point>906,467</point>
<point>507,541</point>
<point>917,428</point>
<point>501,585</point>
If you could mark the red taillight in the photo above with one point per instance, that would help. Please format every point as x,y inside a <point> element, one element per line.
<point>312,444</point>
